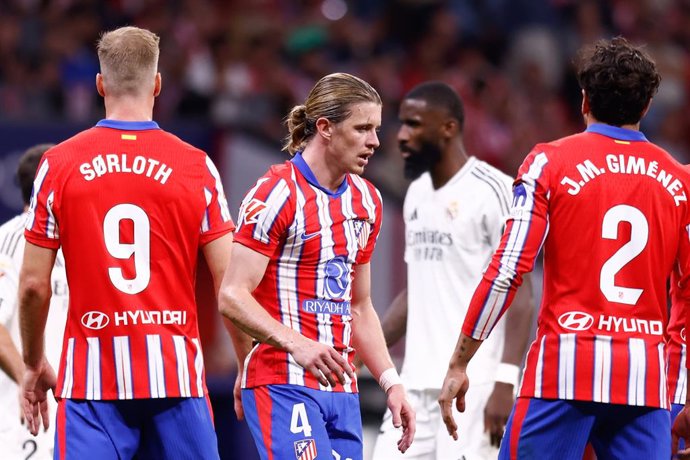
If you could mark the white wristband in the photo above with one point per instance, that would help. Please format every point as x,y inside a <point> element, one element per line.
<point>507,373</point>
<point>388,378</point>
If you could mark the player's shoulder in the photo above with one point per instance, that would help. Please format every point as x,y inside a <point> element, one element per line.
<point>489,174</point>
<point>366,187</point>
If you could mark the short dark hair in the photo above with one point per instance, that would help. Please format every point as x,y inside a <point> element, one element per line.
<point>619,80</point>
<point>26,169</point>
<point>439,94</point>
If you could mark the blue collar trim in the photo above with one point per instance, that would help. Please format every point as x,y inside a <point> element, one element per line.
<point>303,167</point>
<point>615,132</point>
<point>128,125</point>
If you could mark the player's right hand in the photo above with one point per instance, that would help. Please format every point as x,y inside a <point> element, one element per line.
<point>681,429</point>
<point>322,361</point>
<point>35,386</point>
<point>455,385</point>
<point>403,415</point>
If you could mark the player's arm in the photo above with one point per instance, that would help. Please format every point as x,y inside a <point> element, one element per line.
<point>34,302</point>
<point>10,358</point>
<point>681,425</point>
<point>237,303</point>
<point>522,239</point>
<point>367,338</point>
<point>518,324</point>
<point>394,321</point>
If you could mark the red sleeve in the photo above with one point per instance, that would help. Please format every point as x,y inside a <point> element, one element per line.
<point>520,244</point>
<point>217,220</point>
<point>370,199</point>
<point>41,225</point>
<point>266,213</point>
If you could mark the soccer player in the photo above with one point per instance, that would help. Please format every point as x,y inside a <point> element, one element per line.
<point>454,212</point>
<point>610,210</point>
<point>14,437</point>
<point>300,282</point>
<point>130,205</point>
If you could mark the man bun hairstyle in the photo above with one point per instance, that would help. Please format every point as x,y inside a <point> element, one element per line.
<point>332,98</point>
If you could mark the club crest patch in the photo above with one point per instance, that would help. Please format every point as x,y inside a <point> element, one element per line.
<point>305,449</point>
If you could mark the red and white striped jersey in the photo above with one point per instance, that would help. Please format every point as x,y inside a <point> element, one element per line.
<point>676,350</point>
<point>314,238</point>
<point>130,205</point>
<point>611,212</point>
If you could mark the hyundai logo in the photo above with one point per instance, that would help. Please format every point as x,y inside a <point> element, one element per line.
<point>95,320</point>
<point>576,320</point>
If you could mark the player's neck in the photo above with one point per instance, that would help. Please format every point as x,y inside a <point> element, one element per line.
<point>125,109</point>
<point>329,176</point>
<point>590,120</point>
<point>449,164</point>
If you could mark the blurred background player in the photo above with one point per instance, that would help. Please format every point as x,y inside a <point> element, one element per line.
<point>455,212</point>
<point>16,441</point>
<point>300,282</point>
<point>130,205</point>
<point>595,201</point>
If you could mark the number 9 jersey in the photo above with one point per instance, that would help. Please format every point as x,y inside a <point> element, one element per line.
<point>611,211</point>
<point>130,205</point>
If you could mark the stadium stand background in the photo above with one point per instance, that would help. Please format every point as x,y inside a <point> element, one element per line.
<point>232,69</point>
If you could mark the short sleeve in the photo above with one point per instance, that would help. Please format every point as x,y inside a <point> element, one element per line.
<point>41,224</point>
<point>370,230</point>
<point>265,215</point>
<point>217,220</point>
<point>497,210</point>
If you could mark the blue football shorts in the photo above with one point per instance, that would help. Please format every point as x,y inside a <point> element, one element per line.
<point>559,429</point>
<point>295,422</point>
<point>170,428</point>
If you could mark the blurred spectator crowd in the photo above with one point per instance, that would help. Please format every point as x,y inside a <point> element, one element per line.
<point>242,64</point>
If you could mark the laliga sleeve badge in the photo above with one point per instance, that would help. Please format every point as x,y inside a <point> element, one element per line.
<point>305,449</point>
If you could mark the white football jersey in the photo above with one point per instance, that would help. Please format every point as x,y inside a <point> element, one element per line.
<point>16,440</point>
<point>450,236</point>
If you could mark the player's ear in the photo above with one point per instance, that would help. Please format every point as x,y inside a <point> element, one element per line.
<point>99,85</point>
<point>585,103</point>
<point>450,128</point>
<point>324,127</point>
<point>158,83</point>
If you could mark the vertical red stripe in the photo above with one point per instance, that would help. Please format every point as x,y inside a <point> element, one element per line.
<point>521,406</point>
<point>61,420</point>
<point>264,407</point>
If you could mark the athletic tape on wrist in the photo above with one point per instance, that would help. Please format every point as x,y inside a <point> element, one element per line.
<point>388,378</point>
<point>507,373</point>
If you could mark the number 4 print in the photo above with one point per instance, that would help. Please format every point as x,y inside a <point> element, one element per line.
<point>300,422</point>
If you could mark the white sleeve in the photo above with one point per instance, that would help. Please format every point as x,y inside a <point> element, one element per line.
<point>9,283</point>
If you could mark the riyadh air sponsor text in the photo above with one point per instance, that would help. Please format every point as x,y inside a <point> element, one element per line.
<point>581,321</point>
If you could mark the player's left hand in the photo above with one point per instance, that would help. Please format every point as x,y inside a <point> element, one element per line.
<point>35,385</point>
<point>237,396</point>
<point>681,429</point>
<point>455,385</point>
<point>403,415</point>
<point>497,411</point>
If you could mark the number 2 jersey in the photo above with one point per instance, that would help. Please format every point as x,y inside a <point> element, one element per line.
<point>130,205</point>
<point>314,239</point>
<point>611,212</point>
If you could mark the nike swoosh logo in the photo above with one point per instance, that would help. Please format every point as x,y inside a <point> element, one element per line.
<point>308,236</point>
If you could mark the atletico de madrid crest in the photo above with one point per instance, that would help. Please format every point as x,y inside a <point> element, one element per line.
<point>305,449</point>
<point>362,231</point>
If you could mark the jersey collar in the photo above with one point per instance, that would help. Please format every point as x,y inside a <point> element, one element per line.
<point>128,125</point>
<point>616,132</point>
<point>303,167</point>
